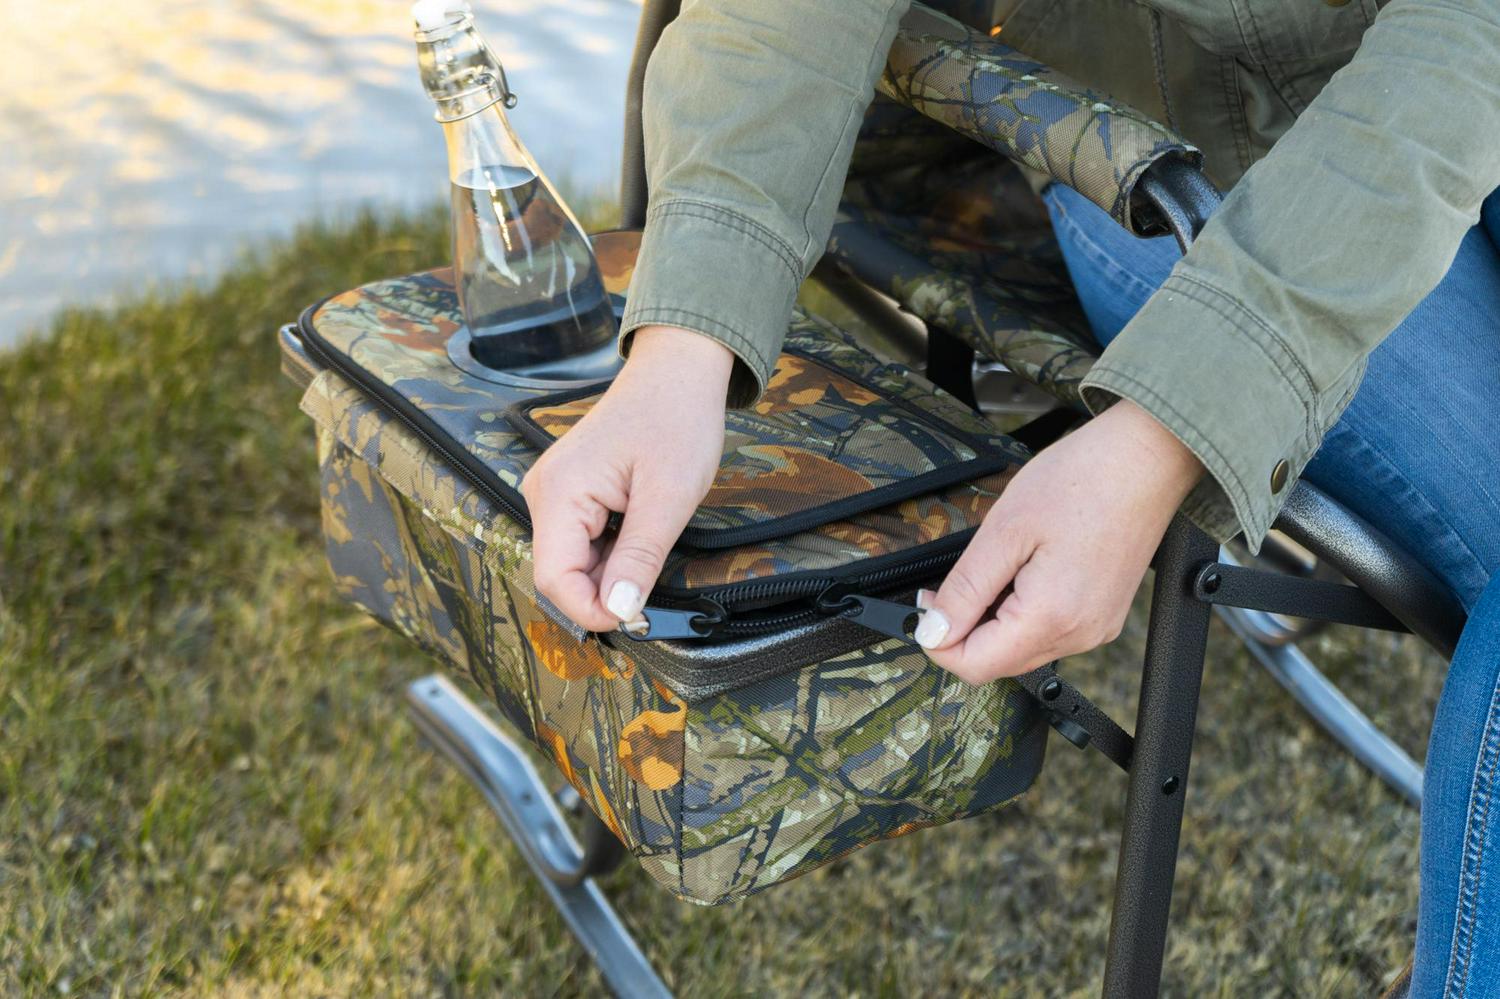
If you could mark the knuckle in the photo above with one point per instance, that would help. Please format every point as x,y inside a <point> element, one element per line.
<point>963,588</point>
<point>642,552</point>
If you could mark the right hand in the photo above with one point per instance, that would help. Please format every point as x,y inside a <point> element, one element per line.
<point>649,450</point>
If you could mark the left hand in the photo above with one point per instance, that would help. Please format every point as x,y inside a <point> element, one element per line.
<point>1070,537</point>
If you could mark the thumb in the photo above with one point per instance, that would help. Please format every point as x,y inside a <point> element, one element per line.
<point>989,563</point>
<point>654,518</point>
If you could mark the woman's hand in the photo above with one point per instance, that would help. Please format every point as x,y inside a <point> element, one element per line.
<point>649,450</point>
<point>1070,537</point>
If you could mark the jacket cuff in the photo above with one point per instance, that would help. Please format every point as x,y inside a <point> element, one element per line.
<point>1218,377</point>
<point>718,273</point>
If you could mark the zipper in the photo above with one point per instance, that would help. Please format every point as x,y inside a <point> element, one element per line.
<point>727,611</point>
<point>723,612</point>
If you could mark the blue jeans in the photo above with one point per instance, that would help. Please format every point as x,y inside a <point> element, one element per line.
<point>1417,454</point>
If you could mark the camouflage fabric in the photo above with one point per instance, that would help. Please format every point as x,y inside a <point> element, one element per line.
<point>986,90</point>
<point>966,247</point>
<point>958,236</point>
<point>816,445</point>
<point>399,330</point>
<point>717,798</point>
<point>839,546</point>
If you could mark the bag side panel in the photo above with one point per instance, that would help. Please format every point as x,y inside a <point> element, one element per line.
<point>616,735</point>
<point>462,591</point>
<point>411,574</point>
<point>798,770</point>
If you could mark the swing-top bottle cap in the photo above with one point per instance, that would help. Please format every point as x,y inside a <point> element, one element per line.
<point>430,15</point>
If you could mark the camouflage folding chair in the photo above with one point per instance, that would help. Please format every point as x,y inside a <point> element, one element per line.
<point>954,236</point>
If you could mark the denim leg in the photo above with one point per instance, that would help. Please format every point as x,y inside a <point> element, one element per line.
<point>1112,271</point>
<point>1417,454</point>
<point>1458,918</point>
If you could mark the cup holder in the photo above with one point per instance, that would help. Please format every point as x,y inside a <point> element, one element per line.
<point>588,368</point>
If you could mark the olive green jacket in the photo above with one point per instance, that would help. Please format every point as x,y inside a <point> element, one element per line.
<point>1359,139</point>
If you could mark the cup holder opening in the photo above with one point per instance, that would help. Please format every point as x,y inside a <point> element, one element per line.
<point>492,359</point>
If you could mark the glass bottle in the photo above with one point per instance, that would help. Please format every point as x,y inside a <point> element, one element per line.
<point>527,281</point>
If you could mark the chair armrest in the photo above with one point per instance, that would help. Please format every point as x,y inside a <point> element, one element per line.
<point>1030,113</point>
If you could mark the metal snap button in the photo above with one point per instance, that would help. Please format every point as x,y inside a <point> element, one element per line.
<point>1279,476</point>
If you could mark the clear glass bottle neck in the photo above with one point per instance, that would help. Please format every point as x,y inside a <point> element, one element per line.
<point>459,71</point>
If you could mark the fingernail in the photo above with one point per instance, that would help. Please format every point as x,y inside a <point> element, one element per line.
<point>931,630</point>
<point>625,600</point>
<point>924,599</point>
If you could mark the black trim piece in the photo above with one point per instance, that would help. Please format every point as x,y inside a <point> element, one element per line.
<point>1293,596</point>
<point>986,461</point>
<point>475,471</point>
<point>1046,429</point>
<point>1066,705</point>
<point>1174,195</point>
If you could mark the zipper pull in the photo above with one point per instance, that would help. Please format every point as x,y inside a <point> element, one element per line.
<point>884,616</point>
<point>699,620</point>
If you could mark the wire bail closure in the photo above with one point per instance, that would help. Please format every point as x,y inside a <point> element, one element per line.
<point>507,96</point>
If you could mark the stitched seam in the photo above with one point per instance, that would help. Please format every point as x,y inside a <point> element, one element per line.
<point>876,60</point>
<point>1481,796</point>
<point>1229,481</point>
<point>1235,107</point>
<point>1212,303</point>
<point>1159,63</point>
<point>691,208</point>
<point>823,181</point>
<point>1257,48</point>
<point>1241,308</point>
<point>759,361</point>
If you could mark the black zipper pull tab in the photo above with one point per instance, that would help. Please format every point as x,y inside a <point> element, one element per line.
<point>699,620</point>
<point>884,616</point>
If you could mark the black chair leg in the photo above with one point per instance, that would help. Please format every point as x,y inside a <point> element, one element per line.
<point>1170,681</point>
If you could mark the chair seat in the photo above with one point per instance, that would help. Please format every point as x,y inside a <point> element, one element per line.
<point>960,239</point>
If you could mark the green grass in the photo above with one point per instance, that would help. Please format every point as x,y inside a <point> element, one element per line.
<point>207,785</point>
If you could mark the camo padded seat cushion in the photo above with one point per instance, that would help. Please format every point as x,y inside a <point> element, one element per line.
<point>984,89</point>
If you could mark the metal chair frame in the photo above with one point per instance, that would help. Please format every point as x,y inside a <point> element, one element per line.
<point>1388,589</point>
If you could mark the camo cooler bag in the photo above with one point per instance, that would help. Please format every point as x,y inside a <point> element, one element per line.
<point>760,727</point>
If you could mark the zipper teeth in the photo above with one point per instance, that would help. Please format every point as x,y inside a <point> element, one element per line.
<point>766,625</point>
<point>808,587</point>
<point>355,374</point>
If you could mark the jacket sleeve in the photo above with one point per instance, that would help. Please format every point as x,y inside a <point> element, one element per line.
<point>1258,339</point>
<point>751,109</point>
